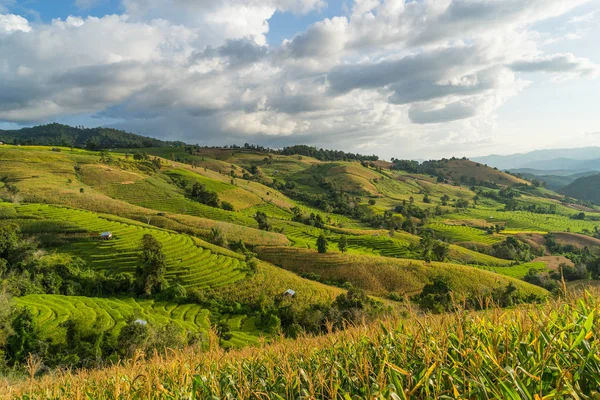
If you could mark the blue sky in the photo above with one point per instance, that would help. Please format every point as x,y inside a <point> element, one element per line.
<point>419,79</point>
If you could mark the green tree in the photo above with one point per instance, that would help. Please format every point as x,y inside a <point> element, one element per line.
<point>436,296</point>
<point>217,237</point>
<point>24,339</point>
<point>440,250</point>
<point>135,335</point>
<point>322,243</point>
<point>153,266</point>
<point>223,332</point>
<point>105,157</point>
<point>343,244</point>
<point>201,194</point>
<point>263,223</point>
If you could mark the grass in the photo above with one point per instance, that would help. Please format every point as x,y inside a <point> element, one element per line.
<point>109,315</point>
<point>459,233</point>
<point>547,351</point>
<point>519,271</point>
<point>378,242</point>
<point>271,281</point>
<point>522,221</point>
<point>382,276</point>
<point>190,261</point>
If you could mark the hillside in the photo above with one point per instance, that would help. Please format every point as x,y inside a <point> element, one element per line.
<point>467,171</point>
<point>64,135</point>
<point>252,244</point>
<point>585,188</point>
<point>502,350</point>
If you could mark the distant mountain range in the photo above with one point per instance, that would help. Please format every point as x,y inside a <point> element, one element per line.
<point>574,160</point>
<point>563,170</point>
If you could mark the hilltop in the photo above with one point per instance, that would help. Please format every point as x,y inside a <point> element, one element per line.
<point>65,135</point>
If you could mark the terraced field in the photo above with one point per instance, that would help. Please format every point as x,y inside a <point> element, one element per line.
<point>270,281</point>
<point>379,243</point>
<point>382,276</point>
<point>109,314</point>
<point>243,330</point>
<point>156,194</point>
<point>460,233</point>
<point>518,271</point>
<point>187,262</point>
<point>524,221</point>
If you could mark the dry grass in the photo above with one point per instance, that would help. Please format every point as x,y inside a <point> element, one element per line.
<point>547,351</point>
<point>382,276</point>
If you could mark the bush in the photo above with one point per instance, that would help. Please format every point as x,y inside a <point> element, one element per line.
<point>227,206</point>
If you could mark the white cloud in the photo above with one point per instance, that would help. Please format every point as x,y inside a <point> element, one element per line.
<point>566,64</point>
<point>202,71</point>
<point>10,23</point>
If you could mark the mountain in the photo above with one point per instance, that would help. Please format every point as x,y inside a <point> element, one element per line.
<point>586,188</point>
<point>563,163</point>
<point>91,138</point>
<point>549,159</point>
<point>553,180</point>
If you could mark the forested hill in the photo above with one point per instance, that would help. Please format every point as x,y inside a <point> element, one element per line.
<point>91,138</point>
<point>585,188</point>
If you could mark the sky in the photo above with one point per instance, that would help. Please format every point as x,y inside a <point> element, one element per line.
<point>398,78</point>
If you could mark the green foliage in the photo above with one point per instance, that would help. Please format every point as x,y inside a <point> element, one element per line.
<point>150,274</point>
<point>263,223</point>
<point>227,206</point>
<point>217,237</point>
<point>436,296</point>
<point>322,243</point>
<point>223,331</point>
<point>92,138</point>
<point>201,194</point>
<point>343,244</point>
<point>512,249</point>
<point>24,338</point>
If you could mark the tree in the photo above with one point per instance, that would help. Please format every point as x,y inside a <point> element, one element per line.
<point>24,339</point>
<point>135,335</point>
<point>105,157</point>
<point>263,223</point>
<point>156,164</point>
<point>322,243</point>
<point>216,237</point>
<point>436,296</point>
<point>201,194</point>
<point>223,331</point>
<point>440,250</point>
<point>343,244</point>
<point>227,206</point>
<point>426,247</point>
<point>153,266</point>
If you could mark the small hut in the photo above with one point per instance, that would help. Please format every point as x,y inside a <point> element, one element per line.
<point>289,293</point>
<point>106,236</point>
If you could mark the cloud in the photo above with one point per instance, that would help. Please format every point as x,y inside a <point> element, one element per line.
<point>449,112</point>
<point>201,71</point>
<point>10,23</point>
<point>558,63</point>
<point>587,17</point>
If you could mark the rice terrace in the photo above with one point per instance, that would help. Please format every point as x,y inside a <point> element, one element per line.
<point>290,199</point>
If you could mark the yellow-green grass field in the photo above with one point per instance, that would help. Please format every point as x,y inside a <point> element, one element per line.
<point>382,276</point>
<point>190,261</point>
